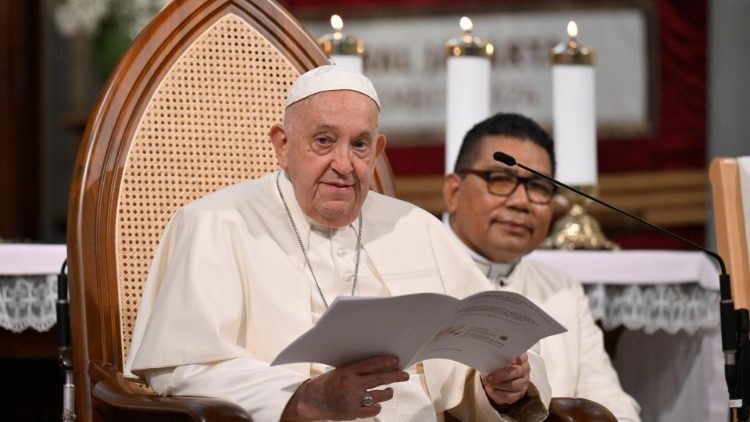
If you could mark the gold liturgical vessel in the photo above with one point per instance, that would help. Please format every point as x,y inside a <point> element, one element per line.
<point>339,44</point>
<point>577,229</point>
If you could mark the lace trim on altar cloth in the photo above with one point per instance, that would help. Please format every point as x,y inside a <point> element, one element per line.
<point>671,308</point>
<point>28,302</point>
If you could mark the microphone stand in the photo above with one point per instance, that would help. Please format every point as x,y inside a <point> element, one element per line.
<point>65,356</point>
<point>735,323</point>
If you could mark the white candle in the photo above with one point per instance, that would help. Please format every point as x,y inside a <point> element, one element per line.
<point>351,62</point>
<point>467,88</point>
<point>343,50</point>
<point>574,112</point>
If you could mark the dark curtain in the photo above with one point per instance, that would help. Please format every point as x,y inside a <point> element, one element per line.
<point>20,166</point>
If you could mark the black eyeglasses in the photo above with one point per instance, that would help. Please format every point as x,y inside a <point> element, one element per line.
<point>504,183</point>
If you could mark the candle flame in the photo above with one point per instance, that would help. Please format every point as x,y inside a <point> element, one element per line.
<point>337,23</point>
<point>466,24</point>
<point>572,29</point>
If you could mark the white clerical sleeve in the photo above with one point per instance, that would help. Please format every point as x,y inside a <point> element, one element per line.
<point>476,406</point>
<point>251,384</point>
<point>194,294</point>
<point>189,337</point>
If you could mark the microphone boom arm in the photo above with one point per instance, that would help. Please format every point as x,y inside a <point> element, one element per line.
<point>734,339</point>
<point>503,158</point>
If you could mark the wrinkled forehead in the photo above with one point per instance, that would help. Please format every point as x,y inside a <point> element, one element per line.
<point>334,108</point>
<point>345,113</point>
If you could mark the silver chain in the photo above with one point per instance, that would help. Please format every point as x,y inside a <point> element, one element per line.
<point>304,252</point>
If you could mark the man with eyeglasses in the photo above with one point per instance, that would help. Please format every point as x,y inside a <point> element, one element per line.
<point>501,214</point>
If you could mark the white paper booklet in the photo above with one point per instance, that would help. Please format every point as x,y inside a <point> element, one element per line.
<point>485,331</point>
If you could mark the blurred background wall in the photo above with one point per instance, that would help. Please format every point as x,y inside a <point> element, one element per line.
<point>699,59</point>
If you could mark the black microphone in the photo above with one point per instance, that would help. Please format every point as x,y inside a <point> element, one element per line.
<point>63,309</point>
<point>728,315</point>
<point>64,350</point>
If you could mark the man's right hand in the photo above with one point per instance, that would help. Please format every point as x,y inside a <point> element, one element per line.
<point>338,394</point>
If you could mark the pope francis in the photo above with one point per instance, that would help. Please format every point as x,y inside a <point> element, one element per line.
<point>242,272</point>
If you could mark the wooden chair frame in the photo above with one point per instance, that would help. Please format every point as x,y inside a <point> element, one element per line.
<point>730,226</point>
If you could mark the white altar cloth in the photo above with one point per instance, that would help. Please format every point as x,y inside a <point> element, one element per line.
<point>28,285</point>
<point>634,266</point>
<point>31,258</point>
<point>669,358</point>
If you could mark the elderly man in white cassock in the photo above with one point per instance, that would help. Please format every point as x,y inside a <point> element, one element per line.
<point>242,272</point>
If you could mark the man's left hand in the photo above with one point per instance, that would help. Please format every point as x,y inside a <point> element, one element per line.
<point>508,385</point>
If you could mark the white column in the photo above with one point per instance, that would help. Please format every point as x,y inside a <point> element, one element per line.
<point>350,61</point>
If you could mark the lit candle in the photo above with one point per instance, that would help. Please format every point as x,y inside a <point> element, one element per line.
<point>468,88</point>
<point>573,111</point>
<point>344,50</point>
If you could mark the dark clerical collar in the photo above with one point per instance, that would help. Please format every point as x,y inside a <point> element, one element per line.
<point>496,272</point>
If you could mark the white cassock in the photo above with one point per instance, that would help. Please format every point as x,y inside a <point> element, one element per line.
<point>228,289</point>
<point>577,363</point>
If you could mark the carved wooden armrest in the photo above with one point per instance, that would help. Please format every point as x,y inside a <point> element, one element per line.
<point>117,398</point>
<point>569,409</point>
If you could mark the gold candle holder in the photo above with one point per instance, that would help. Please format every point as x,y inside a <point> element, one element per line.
<point>339,44</point>
<point>571,52</point>
<point>468,44</point>
<point>576,229</point>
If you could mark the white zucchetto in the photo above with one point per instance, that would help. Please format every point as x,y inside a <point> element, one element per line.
<point>330,78</point>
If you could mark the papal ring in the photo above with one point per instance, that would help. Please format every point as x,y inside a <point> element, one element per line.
<point>367,400</point>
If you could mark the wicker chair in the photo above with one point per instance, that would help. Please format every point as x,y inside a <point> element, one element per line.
<point>186,112</point>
